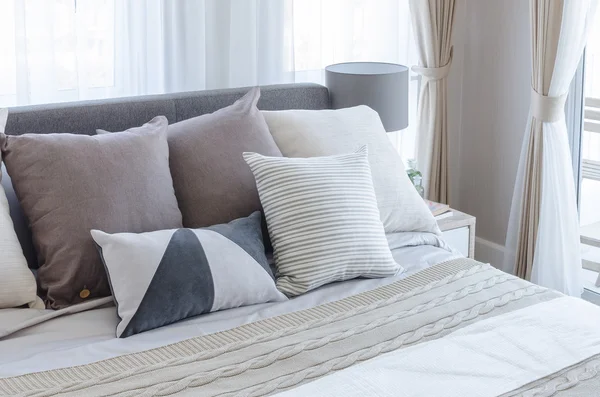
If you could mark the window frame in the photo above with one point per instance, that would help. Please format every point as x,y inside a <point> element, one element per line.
<point>574,118</point>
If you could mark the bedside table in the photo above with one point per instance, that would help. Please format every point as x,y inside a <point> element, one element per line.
<point>459,232</point>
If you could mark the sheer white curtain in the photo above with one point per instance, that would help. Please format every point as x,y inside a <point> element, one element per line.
<point>333,31</point>
<point>60,50</point>
<point>543,237</point>
<point>188,45</point>
<point>67,50</point>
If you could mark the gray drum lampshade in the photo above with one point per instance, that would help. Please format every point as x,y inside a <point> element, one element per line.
<point>381,86</point>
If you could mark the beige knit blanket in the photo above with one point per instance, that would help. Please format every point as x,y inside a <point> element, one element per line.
<point>281,353</point>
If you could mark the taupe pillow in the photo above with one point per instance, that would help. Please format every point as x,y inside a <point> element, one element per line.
<point>213,183</point>
<point>69,184</point>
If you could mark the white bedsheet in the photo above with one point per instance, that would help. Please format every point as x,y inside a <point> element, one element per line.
<point>497,355</point>
<point>87,337</point>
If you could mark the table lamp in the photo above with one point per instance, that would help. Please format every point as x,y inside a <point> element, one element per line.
<point>381,86</point>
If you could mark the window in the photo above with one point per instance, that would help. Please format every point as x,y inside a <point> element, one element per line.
<point>55,51</point>
<point>590,161</point>
<point>334,31</point>
<point>68,50</point>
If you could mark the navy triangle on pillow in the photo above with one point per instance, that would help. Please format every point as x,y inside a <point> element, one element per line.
<point>182,286</point>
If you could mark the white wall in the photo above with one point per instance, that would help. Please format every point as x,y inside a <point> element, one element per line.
<point>487,124</point>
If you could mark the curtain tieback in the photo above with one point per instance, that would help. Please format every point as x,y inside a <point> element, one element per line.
<point>435,73</point>
<point>547,108</point>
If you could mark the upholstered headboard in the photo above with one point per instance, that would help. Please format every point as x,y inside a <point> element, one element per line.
<point>123,113</point>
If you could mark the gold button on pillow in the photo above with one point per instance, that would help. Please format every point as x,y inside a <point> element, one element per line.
<point>84,293</point>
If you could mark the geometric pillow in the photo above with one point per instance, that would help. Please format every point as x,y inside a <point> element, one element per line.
<point>322,218</point>
<point>162,277</point>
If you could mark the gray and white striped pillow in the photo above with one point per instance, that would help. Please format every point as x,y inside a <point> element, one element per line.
<point>322,218</point>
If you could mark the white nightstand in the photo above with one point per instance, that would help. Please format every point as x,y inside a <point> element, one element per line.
<point>459,232</point>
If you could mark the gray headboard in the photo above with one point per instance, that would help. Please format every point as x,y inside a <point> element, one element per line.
<point>123,113</point>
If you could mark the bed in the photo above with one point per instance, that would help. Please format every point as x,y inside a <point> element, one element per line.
<point>445,326</point>
<point>89,336</point>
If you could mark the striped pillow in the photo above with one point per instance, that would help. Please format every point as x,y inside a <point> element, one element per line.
<point>323,219</point>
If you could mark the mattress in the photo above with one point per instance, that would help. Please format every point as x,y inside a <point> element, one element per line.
<point>89,336</point>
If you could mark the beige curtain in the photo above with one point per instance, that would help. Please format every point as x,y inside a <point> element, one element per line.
<point>542,243</point>
<point>546,17</point>
<point>433,21</point>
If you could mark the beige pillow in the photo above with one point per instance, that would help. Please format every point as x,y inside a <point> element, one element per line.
<point>69,184</point>
<point>17,284</point>
<point>3,119</point>
<point>312,133</point>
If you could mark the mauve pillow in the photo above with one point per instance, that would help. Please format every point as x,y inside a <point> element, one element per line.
<point>213,183</point>
<point>69,184</point>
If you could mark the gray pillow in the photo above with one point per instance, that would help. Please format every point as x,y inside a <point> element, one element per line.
<point>212,182</point>
<point>161,277</point>
<point>69,184</point>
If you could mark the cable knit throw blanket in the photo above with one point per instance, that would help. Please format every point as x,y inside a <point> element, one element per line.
<point>421,321</point>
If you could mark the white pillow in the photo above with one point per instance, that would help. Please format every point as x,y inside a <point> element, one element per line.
<point>311,133</point>
<point>3,119</point>
<point>322,218</point>
<point>17,284</point>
